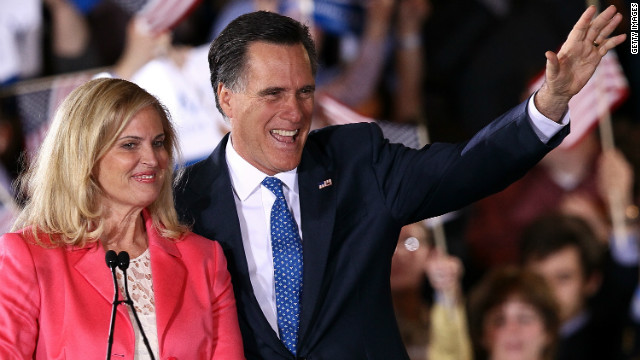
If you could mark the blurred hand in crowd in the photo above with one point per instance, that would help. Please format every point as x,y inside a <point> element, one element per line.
<point>142,45</point>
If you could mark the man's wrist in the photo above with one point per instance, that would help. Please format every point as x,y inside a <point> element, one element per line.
<point>552,106</point>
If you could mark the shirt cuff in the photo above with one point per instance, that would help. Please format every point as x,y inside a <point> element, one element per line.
<point>544,127</point>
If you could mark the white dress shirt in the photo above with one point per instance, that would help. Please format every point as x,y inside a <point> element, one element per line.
<point>254,202</point>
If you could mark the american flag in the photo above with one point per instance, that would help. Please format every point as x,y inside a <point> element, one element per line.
<point>160,14</point>
<point>336,113</point>
<point>606,90</point>
<point>164,14</point>
<point>33,112</point>
<point>63,85</point>
<point>38,99</point>
<point>7,217</point>
<point>37,102</point>
<point>8,209</point>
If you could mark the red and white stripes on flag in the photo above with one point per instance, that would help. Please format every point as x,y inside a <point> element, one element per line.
<point>604,92</point>
<point>336,113</point>
<point>62,86</point>
<point>37,102</point>
<point>164,14</point>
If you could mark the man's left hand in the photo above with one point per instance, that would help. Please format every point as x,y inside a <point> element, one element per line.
<point>568,71</point>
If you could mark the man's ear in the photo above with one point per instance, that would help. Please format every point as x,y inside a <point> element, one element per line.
<point>225,96</point>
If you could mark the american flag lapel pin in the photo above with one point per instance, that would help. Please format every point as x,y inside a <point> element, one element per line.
<point>324,184</point>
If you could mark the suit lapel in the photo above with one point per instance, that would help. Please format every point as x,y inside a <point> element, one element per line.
<point>217,218</point>
<point>215,211</point>
<point>318,207</point>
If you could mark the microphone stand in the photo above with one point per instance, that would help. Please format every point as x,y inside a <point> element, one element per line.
<point>123,264</point>
<point>121,260</point>
<point>112,259</point>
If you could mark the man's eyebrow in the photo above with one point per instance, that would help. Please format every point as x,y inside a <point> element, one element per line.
<point>270,91</point>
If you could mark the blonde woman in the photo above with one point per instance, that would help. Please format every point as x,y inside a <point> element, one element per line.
<point>103,181</point>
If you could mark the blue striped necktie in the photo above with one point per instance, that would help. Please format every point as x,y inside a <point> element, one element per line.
<point>287,265</point>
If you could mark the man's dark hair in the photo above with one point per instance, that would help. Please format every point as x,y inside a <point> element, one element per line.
<point>554,232</point>
<point>228,52</point>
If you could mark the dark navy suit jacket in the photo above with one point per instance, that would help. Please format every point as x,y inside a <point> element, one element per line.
<point>350,228</point>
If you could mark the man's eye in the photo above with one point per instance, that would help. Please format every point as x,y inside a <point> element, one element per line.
<point>306,93</point>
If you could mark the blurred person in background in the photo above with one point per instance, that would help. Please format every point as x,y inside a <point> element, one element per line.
<point>408,280</point>
<point>582,180</point>
<point>20,40</point>
<point>513,315</point>
<point>592,288</point>
<point>449,332</point>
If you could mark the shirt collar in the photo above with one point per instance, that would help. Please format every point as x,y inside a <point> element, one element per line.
<point>574,324</point>
<point>246,179</point>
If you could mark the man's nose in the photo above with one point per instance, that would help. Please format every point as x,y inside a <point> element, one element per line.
<point>293,108</point>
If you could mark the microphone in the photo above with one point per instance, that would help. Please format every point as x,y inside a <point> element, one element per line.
<point>112,261</point>
<point>111,258</point>
<point>123,264</point>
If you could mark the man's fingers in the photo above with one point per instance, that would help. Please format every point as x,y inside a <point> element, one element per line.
<point>601,22</point>
<point>610,43</point>
<point>552,64</point>
<point>608,29</point>
<point>582,26</point>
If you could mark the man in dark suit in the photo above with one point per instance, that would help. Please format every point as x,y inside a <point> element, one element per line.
<point>346,190</point>
<point>593,287</point>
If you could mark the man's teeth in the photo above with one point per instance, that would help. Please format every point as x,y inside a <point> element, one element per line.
<point>284,132</point>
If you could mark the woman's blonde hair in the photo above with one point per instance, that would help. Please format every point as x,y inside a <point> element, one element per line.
<point>63,196</point>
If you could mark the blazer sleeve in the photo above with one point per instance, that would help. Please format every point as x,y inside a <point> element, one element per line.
<point>226,332</point>
<point>19,299</point>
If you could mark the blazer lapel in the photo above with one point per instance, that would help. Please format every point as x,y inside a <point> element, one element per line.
<point>88,264</point>
<point>169,278</point>
<point>318,207</point>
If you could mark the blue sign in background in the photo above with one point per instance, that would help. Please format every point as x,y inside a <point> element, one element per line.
<point>338,17</point>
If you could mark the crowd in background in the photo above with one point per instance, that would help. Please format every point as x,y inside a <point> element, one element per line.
<point>541,269</point>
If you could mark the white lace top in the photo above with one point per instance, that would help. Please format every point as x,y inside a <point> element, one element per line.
<point>141,291</point>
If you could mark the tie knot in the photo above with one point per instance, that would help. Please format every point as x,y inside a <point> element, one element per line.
<point>273,184</point>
